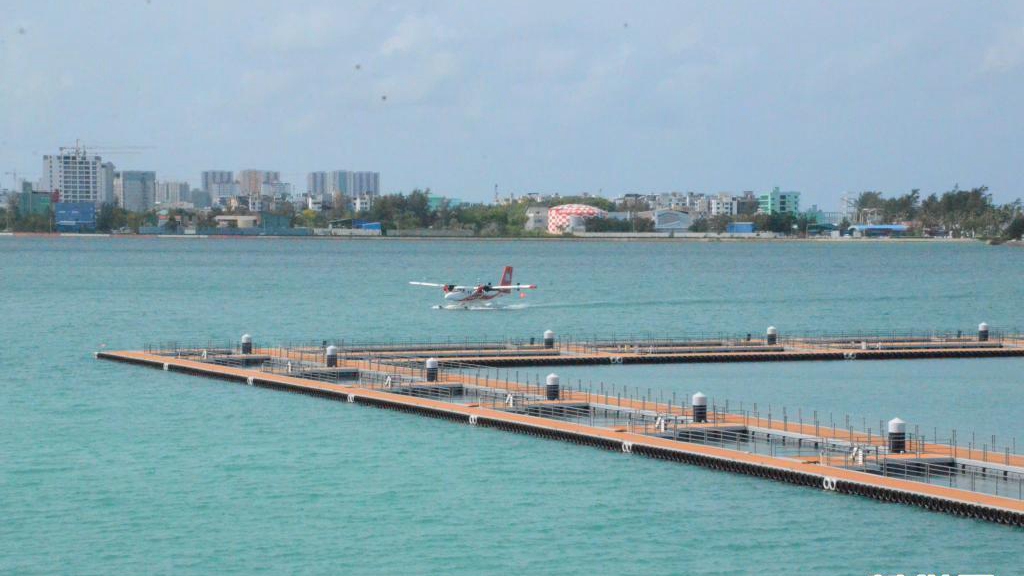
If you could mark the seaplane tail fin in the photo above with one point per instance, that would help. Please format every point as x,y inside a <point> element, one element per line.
<point>506,277</point>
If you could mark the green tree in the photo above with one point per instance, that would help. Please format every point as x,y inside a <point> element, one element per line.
<point>602,203</point>
<point>1015,229</point>
<point>719,223</point>
<point>110,218</point>
<point>135,221</point>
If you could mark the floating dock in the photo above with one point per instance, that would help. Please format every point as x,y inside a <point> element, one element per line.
<point>772,346</point>
<point>892,464</point>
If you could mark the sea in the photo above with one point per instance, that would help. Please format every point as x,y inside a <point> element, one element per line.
<point>113,469</point>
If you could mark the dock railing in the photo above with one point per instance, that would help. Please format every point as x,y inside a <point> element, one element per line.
<point>632,342</point>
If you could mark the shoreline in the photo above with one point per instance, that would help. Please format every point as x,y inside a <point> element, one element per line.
<point>707,239</point>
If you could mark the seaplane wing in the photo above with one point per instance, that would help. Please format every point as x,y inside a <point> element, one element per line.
<point>448,287</point>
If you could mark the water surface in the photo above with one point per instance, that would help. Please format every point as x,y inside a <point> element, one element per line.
<point>108,469</point>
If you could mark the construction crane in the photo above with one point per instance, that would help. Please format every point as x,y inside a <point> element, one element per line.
<point>14,177</point>
<point>80,149</point>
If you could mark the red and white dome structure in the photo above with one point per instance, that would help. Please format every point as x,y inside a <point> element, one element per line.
<point>562,217</point>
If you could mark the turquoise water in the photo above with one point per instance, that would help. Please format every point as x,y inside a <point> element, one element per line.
<point>109,469</point>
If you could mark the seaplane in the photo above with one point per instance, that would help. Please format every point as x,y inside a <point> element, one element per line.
<point>481,295</point>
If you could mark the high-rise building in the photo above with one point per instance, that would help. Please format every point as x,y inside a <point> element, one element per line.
<point>778,202</point>
<point>78,177</point>
<point>173,192</point>
<point>224,190</point>
<point>353,184</point>
<point>105,183</point>
<point>250,182</point>
<point>136,190</point>
<point>316,185</point>
<point>211,177</point>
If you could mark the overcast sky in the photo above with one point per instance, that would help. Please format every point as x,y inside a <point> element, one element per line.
<point>821,97</point>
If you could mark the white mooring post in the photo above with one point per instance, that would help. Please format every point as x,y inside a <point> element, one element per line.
<point>549,339</point>
<point>551,388</point>
<point>897,436</point>
<point>700,407</point>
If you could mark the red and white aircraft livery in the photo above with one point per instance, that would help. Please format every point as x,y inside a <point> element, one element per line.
<point>483,294</point>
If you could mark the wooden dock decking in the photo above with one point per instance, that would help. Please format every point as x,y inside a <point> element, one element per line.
<point>809,471</point>
<point>792,350</point>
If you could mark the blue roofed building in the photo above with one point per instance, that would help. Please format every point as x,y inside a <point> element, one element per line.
<point>75,216</point>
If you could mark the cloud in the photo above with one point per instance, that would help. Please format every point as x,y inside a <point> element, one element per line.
<point>416,61</point>
<point>312,27</point>
<point>420,78</point>
<point>606,74</point>
<point>413,32</point>
<point>1006,53</point>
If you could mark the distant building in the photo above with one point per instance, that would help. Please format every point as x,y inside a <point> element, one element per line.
<point>78,177</point>
<point>363,202</point>
<point>251,181</point>
<point>746,204</point>
<point>224,190</point>
<point>200,198</point>
<point>75,216</point>
<point>876,230</point>
<point>32,203</point>
<point>173,192</point>
<point>211,177</point>
<point>270,221</point>
<point>353,184</point>
<point>721,205</point>
<point>821,217</point>
<point>740,228</point>
<point>136,190</point>
<point>536,218</point>
<point>571,217</point>
<point>668,220</point>
<point>848,207</point>
<point>778,202</point>
<point>275,189</point>
<point>241,221</point>
<point>316,185</point>
<point>436,202</point>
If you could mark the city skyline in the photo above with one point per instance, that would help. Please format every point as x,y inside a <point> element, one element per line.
<point>534,98</point>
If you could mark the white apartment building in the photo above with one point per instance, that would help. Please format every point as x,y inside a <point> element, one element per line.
<point>362,202</point>
<point>78,177</point>
<point>721,205</point>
